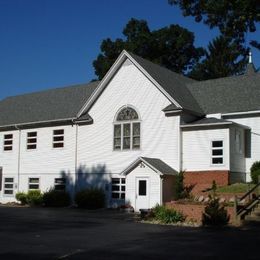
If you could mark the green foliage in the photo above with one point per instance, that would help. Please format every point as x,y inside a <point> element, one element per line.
<point>90,198</point>
<point>166,216</point>
<point>224,58</point>
<point>171,47</point>
<point>182,191</point>
<point>235,188</point>
<point>21,197</point>
<point>233,18</point>
<point>255,171</point>
<point>34,198</point>
<point>214,214</point>
<point>56,198</point>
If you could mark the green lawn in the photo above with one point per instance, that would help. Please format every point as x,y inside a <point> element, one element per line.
<point>235,188</point>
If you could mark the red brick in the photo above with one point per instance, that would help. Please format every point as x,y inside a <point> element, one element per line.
<point>202,180</point>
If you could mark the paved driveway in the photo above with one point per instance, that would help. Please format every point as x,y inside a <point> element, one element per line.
<point>37,233</point>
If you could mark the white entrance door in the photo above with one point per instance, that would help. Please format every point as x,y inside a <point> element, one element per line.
<point>142,193</point>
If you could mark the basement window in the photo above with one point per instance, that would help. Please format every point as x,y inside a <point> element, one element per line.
<point>8,186</point>
<point>118,188</point>
<point>31,140</point>
<point>58,138</point>
<point>217,152</point>
<point>8,142</point>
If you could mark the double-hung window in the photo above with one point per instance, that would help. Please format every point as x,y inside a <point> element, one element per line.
<point>8,142</point>
<point>217,152</point>
<point>127,130</point>
<point>238,141</point>
<point>60,184</point>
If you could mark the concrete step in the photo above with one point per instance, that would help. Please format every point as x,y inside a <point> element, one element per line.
<point>252,218</point>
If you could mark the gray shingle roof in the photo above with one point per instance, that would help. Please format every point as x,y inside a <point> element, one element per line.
<point>226,95</point>
<point>173,83</point>
<point>155,163</point>
<point>160,165</point>
<point>53,104</point>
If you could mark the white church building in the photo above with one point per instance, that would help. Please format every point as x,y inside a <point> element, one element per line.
<point>131,134</point>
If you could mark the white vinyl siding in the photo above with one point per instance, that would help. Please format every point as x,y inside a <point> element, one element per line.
<point>159,135</point>
<point>197,149</point>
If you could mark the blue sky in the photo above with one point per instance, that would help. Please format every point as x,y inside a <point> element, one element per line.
<point>52,43</point>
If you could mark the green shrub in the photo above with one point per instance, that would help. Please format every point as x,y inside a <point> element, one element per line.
<point>90,198</point>
<point>255,171</point>
<point>165,215</point>
<point>21,197</point>
<point>34,198</point>
<point>56,198</point>
<point>214,214</point>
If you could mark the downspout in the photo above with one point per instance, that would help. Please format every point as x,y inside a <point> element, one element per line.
<point>19,159</point>
<point>76,158</point>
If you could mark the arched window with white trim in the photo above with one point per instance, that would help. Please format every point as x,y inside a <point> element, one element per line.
<point>127,130</point>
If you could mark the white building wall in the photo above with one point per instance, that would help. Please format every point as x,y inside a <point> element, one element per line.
<point>196,149</point>
<point>154,188</point>
<point>159,134</point>
<point>254,124</point>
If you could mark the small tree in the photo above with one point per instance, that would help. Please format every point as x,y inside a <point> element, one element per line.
<point>214,214</point>
<point>179,185</point>
<point>255,171</point>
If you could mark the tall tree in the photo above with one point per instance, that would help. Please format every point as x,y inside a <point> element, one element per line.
<point>171,47</point>
<point>234,18</point>
<point>223,58</point>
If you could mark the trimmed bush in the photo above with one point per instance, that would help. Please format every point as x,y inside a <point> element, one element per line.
<point>214,214</point>
<point>255,171</point>
<point>56,198</point>
<point>21,197</point>
<point>90,198</point>
<point>166,216</point>
<point>34,198</point>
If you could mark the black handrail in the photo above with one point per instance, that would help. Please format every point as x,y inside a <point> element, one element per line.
<point>249,192</point>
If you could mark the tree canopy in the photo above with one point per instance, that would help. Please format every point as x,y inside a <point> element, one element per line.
<point>171,47</point>
<point>234,18</point>
<point>223,58</point>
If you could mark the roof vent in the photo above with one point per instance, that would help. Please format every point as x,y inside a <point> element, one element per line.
<point>250,68</point>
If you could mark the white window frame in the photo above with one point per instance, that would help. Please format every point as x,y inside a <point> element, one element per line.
<point>121,190</point>
<point>8,182</point>
<point>31,145</point>
<point>55,142</point>
<point>8,140</point>
<point>33,183</point>
<point>216,156</point>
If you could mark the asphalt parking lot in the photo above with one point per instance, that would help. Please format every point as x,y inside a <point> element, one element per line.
<point>40,233</point>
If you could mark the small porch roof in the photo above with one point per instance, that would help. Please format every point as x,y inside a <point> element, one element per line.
<point>155,164</point>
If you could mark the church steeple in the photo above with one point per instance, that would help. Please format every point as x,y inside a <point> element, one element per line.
<point>250,68</point>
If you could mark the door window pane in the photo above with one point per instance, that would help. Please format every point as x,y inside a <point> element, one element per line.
<point>142,188</point>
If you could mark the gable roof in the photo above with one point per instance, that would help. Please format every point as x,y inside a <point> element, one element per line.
<point>50,105</point>
<point>227,95</point>
<point>171,84</point>
<point>155,164</point>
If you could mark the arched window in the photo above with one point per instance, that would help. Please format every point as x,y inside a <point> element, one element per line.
<point>127,130</point>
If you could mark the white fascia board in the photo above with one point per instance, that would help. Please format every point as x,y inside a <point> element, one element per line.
<point>242,113</point>
<point>216,124</point>
<point>39,122</point>
<point>121,58</point>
